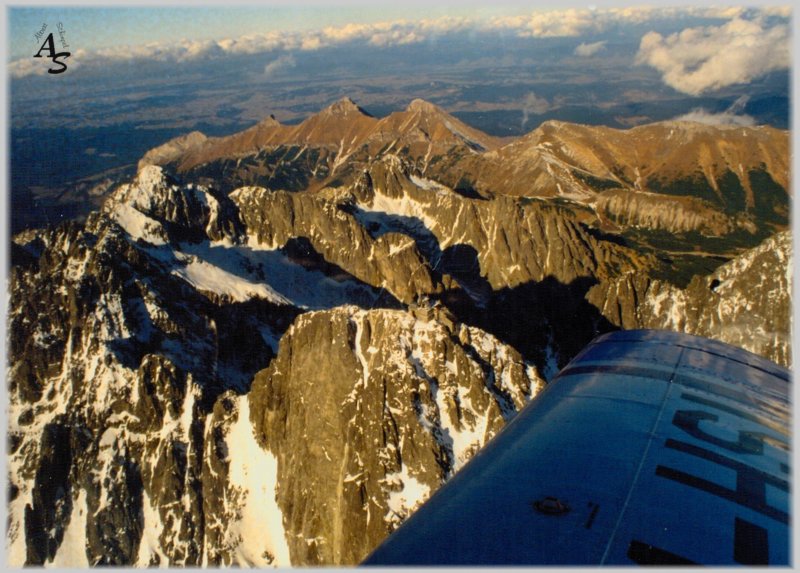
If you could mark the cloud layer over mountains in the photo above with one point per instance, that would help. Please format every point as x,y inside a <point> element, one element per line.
<point>742,44</point>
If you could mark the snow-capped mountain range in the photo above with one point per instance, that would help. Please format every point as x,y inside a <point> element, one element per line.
<point>269,349</point>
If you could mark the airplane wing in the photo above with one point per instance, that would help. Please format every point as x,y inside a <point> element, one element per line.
<point>650,447</point>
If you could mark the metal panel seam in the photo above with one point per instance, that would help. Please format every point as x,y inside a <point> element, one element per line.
<point>641,461</point>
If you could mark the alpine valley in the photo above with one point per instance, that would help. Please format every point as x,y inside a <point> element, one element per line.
<point>269,348</point>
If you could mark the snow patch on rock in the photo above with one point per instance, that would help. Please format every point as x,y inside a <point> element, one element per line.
<point>254,471</point>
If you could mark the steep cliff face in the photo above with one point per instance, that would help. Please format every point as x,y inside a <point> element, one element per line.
<point>112,378</point>
<point>640,209</point>
<point>413,237</point>
<point>745,302</point>
<point>400,405</point>
<point>391,262</point>
<point>510,241</point>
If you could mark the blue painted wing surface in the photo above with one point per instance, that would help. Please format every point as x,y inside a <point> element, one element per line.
<point>650,447</point>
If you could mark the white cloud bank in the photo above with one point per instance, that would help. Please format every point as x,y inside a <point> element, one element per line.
<point>698,60</point>
<point>566,23</point>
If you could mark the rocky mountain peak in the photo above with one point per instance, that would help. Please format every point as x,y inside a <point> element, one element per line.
<point>173,149</point>
<point>152,177</point>
<point>424,121</point>
<point>151,186</point>
<point>269,121</point>
<point>157,207</point>
<point>421,106</point>
<point>344,106</point>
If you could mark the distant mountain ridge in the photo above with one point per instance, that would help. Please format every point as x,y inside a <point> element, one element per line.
<point>342,125</point>
<point>658,176</point>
